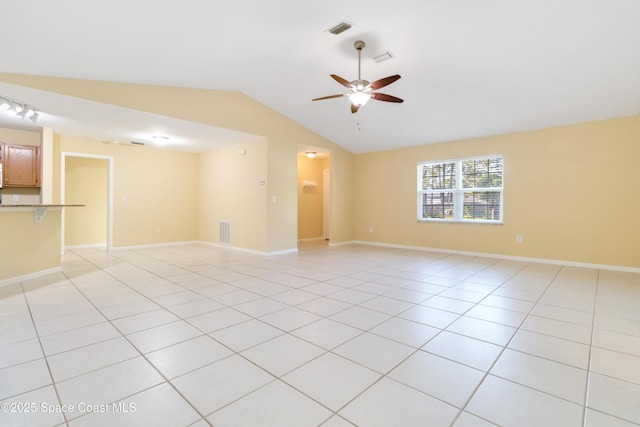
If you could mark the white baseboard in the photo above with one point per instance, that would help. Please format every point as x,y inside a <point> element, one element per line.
<point>345,243</point>
<point>506,257</point>
<point>251,251</point>
<point>34,275</point>
<point>25,277</point>
<point>153,245</point>
<point>88,246</point>
<point>218,245</point>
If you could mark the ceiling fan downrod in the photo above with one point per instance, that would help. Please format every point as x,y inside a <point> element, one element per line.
<point>360,85</point>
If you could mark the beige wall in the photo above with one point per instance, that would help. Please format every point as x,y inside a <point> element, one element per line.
<point>282,196</point>
<point>155,190</point>
<point>19,137</point>
<point>343,194</point>
<point>236,111</point>
<point>230,190</point>
<point>31,247</point>
<point>310,198</point>
<point>26,246</point>
<point>86,183</point>
<point>571,192</point>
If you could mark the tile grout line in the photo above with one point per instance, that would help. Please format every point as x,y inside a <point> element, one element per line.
<point>385,375</point>
<point>234,353</point>
<point>504,348</point>
<point>44,354</point>
<point>139,352</point>
<point>174,257</point>
<point>335,413</point>
<point>589,360</point>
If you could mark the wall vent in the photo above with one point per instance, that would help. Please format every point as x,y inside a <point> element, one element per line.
<point>225,232</point>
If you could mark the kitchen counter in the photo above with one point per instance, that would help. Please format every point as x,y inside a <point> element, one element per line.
<point>38,206</point>
<point>39,209</point>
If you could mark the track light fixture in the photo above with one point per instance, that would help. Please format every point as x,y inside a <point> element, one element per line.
<point>19,109</point>
<point>160,140</point>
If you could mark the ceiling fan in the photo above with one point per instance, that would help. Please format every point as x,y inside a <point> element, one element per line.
<point>362,90</point>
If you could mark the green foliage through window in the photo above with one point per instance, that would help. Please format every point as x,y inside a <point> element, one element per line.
<point>461,190</point>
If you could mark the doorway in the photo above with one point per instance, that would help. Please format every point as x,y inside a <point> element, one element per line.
<point>314,197</point>
<point>326,203</point>
<point>87,179</point>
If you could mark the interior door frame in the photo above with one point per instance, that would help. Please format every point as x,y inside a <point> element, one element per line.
<point>63,159</point>
<point>326,203</point>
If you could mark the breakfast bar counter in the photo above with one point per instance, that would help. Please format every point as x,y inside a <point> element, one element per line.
<point>30,241</point>
<point>39,209</point>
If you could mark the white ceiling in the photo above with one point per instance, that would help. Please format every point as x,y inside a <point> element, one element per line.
<point>469,68</point>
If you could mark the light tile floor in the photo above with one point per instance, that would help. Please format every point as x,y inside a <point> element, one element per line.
<point>335,336</point>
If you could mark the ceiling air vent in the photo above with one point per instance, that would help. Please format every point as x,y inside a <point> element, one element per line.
<point>341,27</point>
<point>382,56</point>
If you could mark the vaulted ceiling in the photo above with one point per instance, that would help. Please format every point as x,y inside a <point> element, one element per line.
<point>469,68</point>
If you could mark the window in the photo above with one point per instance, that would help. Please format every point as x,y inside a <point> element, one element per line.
<point>467,190</point>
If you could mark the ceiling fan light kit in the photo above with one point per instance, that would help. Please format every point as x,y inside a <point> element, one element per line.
<point>359,98</point>
<point>362,90</point>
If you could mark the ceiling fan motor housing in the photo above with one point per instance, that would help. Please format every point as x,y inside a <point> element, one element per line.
<point>360,85</point>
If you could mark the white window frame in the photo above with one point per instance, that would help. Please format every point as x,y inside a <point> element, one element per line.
<point>458,192</point>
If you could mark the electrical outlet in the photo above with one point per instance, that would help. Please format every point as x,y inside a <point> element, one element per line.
<point>371,229</point>
<point>519,238</point>
<point>15,198</point>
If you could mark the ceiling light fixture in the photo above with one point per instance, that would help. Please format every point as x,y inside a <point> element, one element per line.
<point>361,90</point>
<point>19,109</point>
<point>359,98</point>
<point>310,154</point>
<point>23,112</point>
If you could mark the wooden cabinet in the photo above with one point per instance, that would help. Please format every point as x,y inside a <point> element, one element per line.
<point>20,165</point>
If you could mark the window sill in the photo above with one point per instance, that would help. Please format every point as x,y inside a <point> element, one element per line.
<point>453,221</point>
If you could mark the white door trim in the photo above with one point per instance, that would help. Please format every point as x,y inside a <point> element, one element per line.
<point>63,158</point>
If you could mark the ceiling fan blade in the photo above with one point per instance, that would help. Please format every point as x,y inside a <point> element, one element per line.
<point>384,97</point>
<point>329,97</point>
<point>343,82</point>
<point>378,84</point>
<point>354,108</point>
